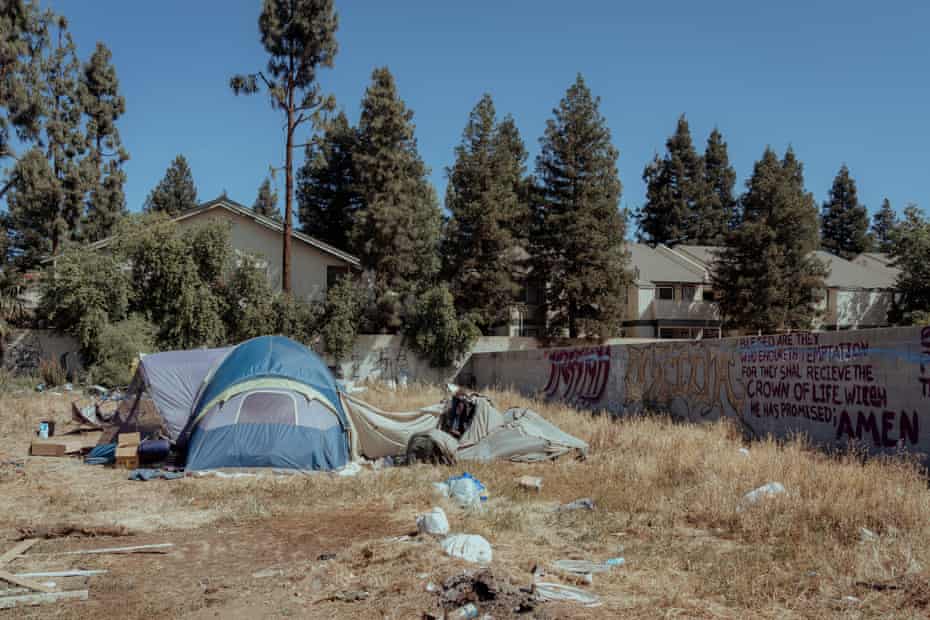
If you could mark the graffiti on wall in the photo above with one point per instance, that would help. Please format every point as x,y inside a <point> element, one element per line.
<point>832,389</point>
<point>925,362</point>
<point>868,388</point>
<point>694,382</point>
<point>578,375</point>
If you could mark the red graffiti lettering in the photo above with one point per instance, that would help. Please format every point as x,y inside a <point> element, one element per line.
<point>578,374</point>
<point>925,362</point>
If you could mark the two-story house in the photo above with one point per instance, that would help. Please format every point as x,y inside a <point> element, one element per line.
<point>858,294</point>
<point>671,295</point>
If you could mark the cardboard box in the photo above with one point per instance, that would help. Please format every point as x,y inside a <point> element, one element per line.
<point>127,457</point>
<point>129,439</point>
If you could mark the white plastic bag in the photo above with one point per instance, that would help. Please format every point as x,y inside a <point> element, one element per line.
<point>433,522</point>
<point>465,492</point>
<point>469,547</point>
<point>767,490</point>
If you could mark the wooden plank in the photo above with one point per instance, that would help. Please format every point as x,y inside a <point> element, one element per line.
<point>62,573</point>
<point>129,439</point>
<point>17,550</point>
<point>9,602</point>
<point>26,583</point>
<point>157,548</point>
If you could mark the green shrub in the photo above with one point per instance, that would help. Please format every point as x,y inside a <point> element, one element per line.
<point>342,317</point>
<point>297,319</point>
<point>249,308</point>
<point>435,330</point>
<point>119,344</point>
<point>84,291</point>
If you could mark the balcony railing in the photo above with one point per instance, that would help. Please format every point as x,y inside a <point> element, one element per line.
<point>676,310</point>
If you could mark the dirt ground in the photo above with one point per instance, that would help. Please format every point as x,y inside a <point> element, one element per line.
<point>322,546</point>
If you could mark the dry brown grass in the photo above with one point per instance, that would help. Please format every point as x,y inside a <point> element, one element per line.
<point>668,500</point>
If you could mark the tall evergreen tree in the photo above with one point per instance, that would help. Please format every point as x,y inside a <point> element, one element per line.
<point>34,225</point>
<point>674,189</point>
<point>717,212</point>
<point>103,105</point>
<point>767,276</point>
<point>845,222</point>
<point>884,224</point>
<point>579,230</point>
<point>176,192</point>
<point>65,140</point>
<point>326,195</point>
<point>266,203</point>
<point>396,232</point>
<point>300,37</point>
<point>482,241</point>
<point>911,252</point>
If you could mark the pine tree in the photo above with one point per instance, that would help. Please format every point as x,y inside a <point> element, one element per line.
<point>266,203</point>
<point>579,230</point>
<point>326,195</point>
<point>176,192</point>
<point>717,212</point>
<point>300,37</point>
<point>845,222</point>
<point>674,188</point>
<point>482,241</point>
<point>767,276</point>
<point>884,224</point>
<point>65,141</point>
<point>911,252</point>
<point>24,42</point>
<point>396,233</point>
<point>34,224</point>
<point>103,105</point>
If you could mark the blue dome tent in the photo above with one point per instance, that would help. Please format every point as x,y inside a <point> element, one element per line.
<point>270,402</point>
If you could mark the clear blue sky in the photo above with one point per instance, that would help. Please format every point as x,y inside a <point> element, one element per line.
<point>840,80</point>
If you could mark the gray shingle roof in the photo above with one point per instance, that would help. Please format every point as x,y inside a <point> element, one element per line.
<point>845,274</point>
<point>654,266</point>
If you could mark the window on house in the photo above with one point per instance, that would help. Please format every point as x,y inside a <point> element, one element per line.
<point>687,293</point>
<point>334,274</point>
<point>665,292</point>
<point>531,294</point>
<point>707,294</point>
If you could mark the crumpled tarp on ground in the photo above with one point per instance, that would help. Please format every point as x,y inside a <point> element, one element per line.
<point>382,433</point>
<point>518,434</point>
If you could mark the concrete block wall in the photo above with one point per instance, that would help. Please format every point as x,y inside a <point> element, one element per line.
<point>867,387</point>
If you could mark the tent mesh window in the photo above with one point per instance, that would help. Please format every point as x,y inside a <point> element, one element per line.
<point>268,408</point>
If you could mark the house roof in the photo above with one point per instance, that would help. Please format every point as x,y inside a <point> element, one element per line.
<point>660,265</point>
<point>230,205</point>
<point>706,255</point>
<point>878,257</point>
<point>842,273</point>
<point>846,274</point>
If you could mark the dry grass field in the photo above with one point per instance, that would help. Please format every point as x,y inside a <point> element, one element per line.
<point>668,499</point>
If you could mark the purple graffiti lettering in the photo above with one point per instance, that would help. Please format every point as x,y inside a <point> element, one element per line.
<point>578,374</point>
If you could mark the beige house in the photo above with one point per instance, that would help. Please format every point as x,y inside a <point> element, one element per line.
<point>671,295</point>
<point>315,265</point>
<point>858,293</point>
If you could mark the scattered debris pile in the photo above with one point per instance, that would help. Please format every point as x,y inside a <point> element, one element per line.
<point>489,591</point>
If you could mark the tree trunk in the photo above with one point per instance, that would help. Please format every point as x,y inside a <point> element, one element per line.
<point>288,186</point>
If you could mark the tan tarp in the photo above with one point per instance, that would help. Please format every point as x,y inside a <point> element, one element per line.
<point>517,435</point>
<point>377,433</point>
